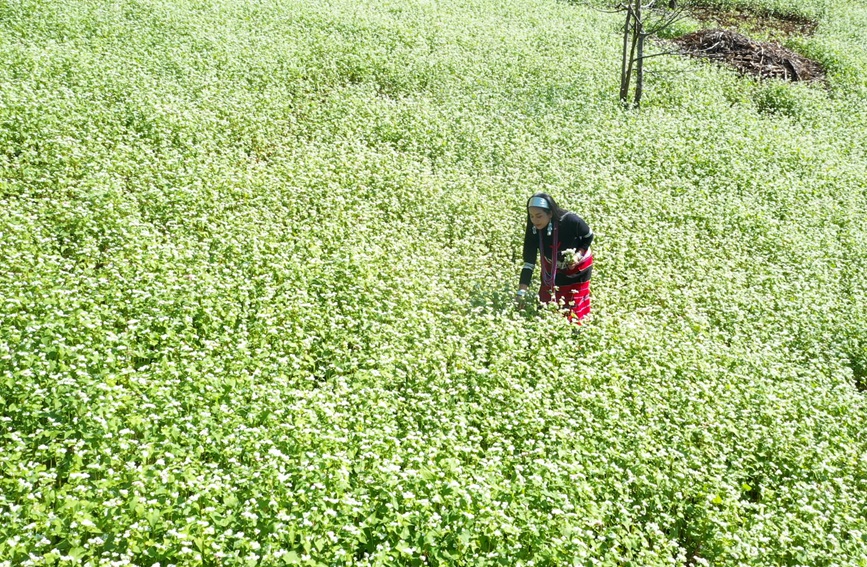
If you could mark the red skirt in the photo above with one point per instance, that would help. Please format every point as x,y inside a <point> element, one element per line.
<point>573,299</point>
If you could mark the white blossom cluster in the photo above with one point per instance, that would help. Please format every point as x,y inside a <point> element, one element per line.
<point>257,263</point>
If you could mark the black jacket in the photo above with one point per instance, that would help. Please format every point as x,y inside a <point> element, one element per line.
<point>573,232</point>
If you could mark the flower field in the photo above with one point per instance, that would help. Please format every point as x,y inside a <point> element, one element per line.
<point>257,268</point>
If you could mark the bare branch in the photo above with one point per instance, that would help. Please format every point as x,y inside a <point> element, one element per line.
<point>674,52</point>
<point>671,72</point>
<point>669,19</point>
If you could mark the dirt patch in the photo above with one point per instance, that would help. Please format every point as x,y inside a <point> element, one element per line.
<point>761,59</point>
<point>774,26</point>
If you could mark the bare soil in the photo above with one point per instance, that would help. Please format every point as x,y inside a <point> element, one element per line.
<point>774,26</point>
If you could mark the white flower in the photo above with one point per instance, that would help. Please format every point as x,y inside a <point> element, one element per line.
<point>571,256</point>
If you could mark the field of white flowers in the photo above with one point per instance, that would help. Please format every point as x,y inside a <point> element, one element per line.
<point>257,260</point>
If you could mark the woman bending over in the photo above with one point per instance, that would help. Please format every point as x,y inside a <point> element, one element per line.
<point>563,240</point>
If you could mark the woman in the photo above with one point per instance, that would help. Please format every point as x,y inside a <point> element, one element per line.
<point>563,238</point>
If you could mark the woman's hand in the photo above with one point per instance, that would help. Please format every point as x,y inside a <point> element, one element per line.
<point>573,256</point>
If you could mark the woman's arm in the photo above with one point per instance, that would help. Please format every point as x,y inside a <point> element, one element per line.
<point>579,232</point>
<point>530,248</point>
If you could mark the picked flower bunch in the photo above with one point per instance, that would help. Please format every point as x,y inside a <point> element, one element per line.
<point>570,257</point>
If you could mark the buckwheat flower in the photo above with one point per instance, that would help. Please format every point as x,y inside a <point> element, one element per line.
<point>571,256</point>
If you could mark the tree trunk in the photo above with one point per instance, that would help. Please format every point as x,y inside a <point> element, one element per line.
<point>639,60</point>
<point>624,76</point>
<point>634,11</point>
<point>639,69</point>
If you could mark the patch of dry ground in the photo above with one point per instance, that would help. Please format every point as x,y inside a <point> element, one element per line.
<point>777,27</point>
<point>726,43</point>
<point>762,59</point>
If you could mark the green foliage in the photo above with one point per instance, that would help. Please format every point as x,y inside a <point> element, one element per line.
<point>776,97</point>
<point>680,26</point>
<point>257,275</point>
<point>810,9</point>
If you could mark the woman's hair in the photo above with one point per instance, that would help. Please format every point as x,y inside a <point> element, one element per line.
<point>552,206</point>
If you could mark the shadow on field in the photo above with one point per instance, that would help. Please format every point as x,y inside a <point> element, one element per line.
<point>777,26</point>
<point>502,300</point>
<point>858,364</point>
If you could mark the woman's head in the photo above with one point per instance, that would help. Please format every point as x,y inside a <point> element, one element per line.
<point>541,209</point>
